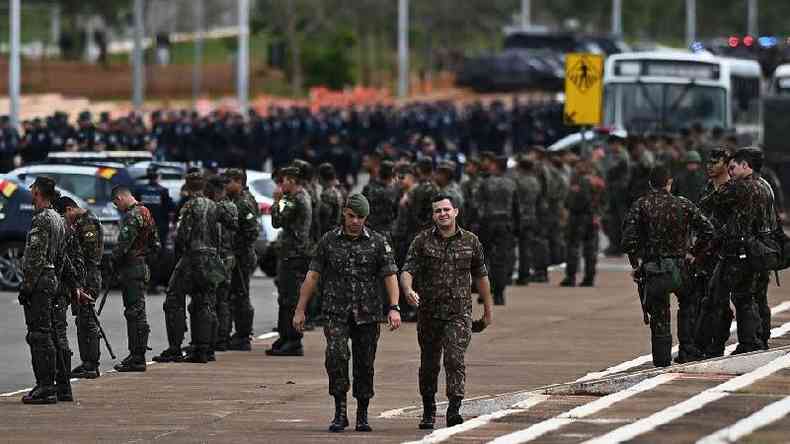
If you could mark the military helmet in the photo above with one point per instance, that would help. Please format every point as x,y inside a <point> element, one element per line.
<point>693,157</point>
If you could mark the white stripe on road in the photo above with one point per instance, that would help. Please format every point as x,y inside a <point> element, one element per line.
<point>271,335</point>
<point>444,434</point>
<point>537,430</point>
<point>746,426</point>
<point>644,359</point>
<point>692,404</point>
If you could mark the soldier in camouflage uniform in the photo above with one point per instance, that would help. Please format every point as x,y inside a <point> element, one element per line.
<point>197,273</point>
<point>419,200</point>
<point>584,221</point>
<point>556,197</point>
<point>88,234</point>
<point>43,261</point>
<point>352,263</point>
<point>540,251</point>
<point>383,197</point>
<point>528,194</point>
<point>241,308</point>
<point>228,218</point>
<point>138,239</point>
<point>329,212</point>
<point>469,190</point>
<point>443,178</point>
<point>618,176</point>
<point>293,212</point>
<point>437,277</point>
<point>773,223</point>
<point>499,214</point>
<point>407,180</point>
<point>656,234</point>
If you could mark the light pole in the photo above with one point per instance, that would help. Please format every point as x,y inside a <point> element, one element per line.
<point>13,65</point>
<point>403,48</point>
<point>243,58</point>
<point>138,73</point>
<point>617,17</point>
<point>691,21</point>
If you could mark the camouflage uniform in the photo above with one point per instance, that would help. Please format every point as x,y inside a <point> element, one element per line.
<point>42,261</point>
<point>442,270</point>
<point>772,223</point>
<point>241,308</point>
<point>584,210</point>
<point>541,255</point>
<point>228,218</point>
<point>197,273</point>
<point>558,192</point>
<point>528,195</point>
<point>138,236</point>
<point>498,213</point>
<point>383,200</point>
<point>657,229</point>
<point>294,214</point>
<point>90,237</point>
<point>420,208</point>
<point>618,176</point>
<point>750,214</point>
<point>470,190</point>
<point>351,272</point>
<point>330,211</point>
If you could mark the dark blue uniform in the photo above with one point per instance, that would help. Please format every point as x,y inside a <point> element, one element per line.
<point>156,198</point>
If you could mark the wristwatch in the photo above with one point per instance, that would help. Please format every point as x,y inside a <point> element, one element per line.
<point>395,307</point>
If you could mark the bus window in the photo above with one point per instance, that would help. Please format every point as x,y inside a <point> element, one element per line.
<point>745,103</point>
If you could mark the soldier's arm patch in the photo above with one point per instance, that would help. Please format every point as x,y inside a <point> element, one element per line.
<point>282,204</point>
<point>250,215</point>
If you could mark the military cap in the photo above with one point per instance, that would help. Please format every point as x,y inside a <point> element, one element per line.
<point>447,165</point>
<point>404,168</point>
<point>234,173</point>
<point>218,181</point>
<point>305,168</point>
<point>359,204</point>
<point>84,116</point>
<point>693,157</point>
<point>487,155</point>
<point>425,163</point>
<point>291,171</point>
<point>45,184</point>
<point>63,202</point>
<point>195,177</point>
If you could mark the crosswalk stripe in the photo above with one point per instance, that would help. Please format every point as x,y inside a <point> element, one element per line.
<point>746,426</point>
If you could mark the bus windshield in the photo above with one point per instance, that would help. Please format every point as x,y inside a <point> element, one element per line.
<point>644,107</point>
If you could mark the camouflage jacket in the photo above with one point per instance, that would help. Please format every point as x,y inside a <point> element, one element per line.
<point>470,190</point>
<point>74,266</point>
<point>90,238</point>
<point>228,218</point>
<point>249,229</point>
<point>585,196</point>
<point>197,229</point>
<point>420,207</point>
<point>528,195</point>
<point>498,200</point>
<point>383,205</point>
<point>44,248</point>
<point>315,191</point>
<point>294,214</point>
<point>443,269</point>
<point>747,206</point>
<point>138,236</point>
<point>661,225</point>
<point>351,273</point>
<point>330,211</point>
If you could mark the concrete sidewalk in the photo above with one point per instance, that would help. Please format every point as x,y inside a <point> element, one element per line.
<point>545,335</point>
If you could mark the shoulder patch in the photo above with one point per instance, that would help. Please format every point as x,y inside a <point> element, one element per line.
<point>282,204</point>
<point>250,215</point>
<point>90,234</point>
<point>387,247</point>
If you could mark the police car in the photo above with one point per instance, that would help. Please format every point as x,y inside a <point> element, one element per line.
<point>16,214</point>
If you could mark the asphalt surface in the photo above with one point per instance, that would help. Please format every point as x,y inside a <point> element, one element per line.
<point>15,369</point>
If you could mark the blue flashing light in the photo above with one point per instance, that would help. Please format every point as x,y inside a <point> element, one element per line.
<point>767,41</point>
<point>697,46</point>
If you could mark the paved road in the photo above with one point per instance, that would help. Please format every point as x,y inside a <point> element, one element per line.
<point>15,370</point>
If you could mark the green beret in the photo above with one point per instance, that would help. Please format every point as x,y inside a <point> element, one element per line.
<point>693,157</point>
<point>358,204</point>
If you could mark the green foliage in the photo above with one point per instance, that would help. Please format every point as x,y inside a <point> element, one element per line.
<point>327,61</point>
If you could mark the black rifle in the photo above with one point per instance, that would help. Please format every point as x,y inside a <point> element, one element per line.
<point>639,278</point>
<point>104,299</point>
<point>102,334</point>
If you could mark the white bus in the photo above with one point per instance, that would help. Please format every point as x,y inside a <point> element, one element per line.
<point>667,91</point>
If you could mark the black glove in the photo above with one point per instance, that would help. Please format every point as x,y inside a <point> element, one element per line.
<point>478,326</point>
<point>24,296</point>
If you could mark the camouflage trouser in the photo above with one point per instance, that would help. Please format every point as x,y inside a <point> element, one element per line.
<point>657,290</point>
<point>61,340</point>
<point>203,318</point>
<point>540,247</point>
<point>364,341</point>
<point>581,234</point>
<point>41,335</point>
<point>763,309</point>
<point>745,286</point>
<point>241,309</point>
<point>712,329</point>
<point>87,333</point>
<point>223,305</point>
<point>526,241</point>
<point>134,282</point>
<point>437,336</point>
<point>556,238</point>
<point>290,275</point>
<point>499,246</point>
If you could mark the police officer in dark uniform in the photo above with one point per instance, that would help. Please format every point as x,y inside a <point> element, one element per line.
<point>157,199</point>
<point>351,262</point>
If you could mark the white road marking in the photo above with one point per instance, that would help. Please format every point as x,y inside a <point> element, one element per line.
<point>761,418</point>
<point>444,434</point>
<point>270,335</point>
<point>692,404</point>
<point>644,359</point>
<point>539,429</point>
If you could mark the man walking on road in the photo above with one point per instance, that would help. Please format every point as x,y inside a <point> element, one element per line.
<point>351,261</point>
<point>437,279</point>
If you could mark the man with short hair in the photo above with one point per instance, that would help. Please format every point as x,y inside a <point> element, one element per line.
<point>137,240</point>
<point>228,219</point>
<point>352,262</point>
<point>89,236</point>
<point>437,276</point>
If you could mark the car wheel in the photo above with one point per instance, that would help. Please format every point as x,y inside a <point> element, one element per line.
<point>11,265</point>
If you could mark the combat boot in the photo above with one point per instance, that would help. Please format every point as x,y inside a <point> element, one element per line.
<point>453,415</point>
<point>588,281</point>
<point>170,355</point>
<point>428,413</point>
<point>86,370</point>
<point>41,394</point>
<point>522,281</point>
<point>239,343</point>
<point>134,363</point>
<point>341,415</point>
<point>197,356</point>
<point>569,281</point>
<point>362,416</point>
<point>64,391</point>
<point>499,298</point>
<point>291,348</point>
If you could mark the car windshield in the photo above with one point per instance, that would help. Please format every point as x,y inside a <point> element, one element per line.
<point>88,187</point>
<point>264,186</point>
<point>641,107</point>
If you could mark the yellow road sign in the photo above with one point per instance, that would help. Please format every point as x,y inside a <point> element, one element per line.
<point>583,88</point>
